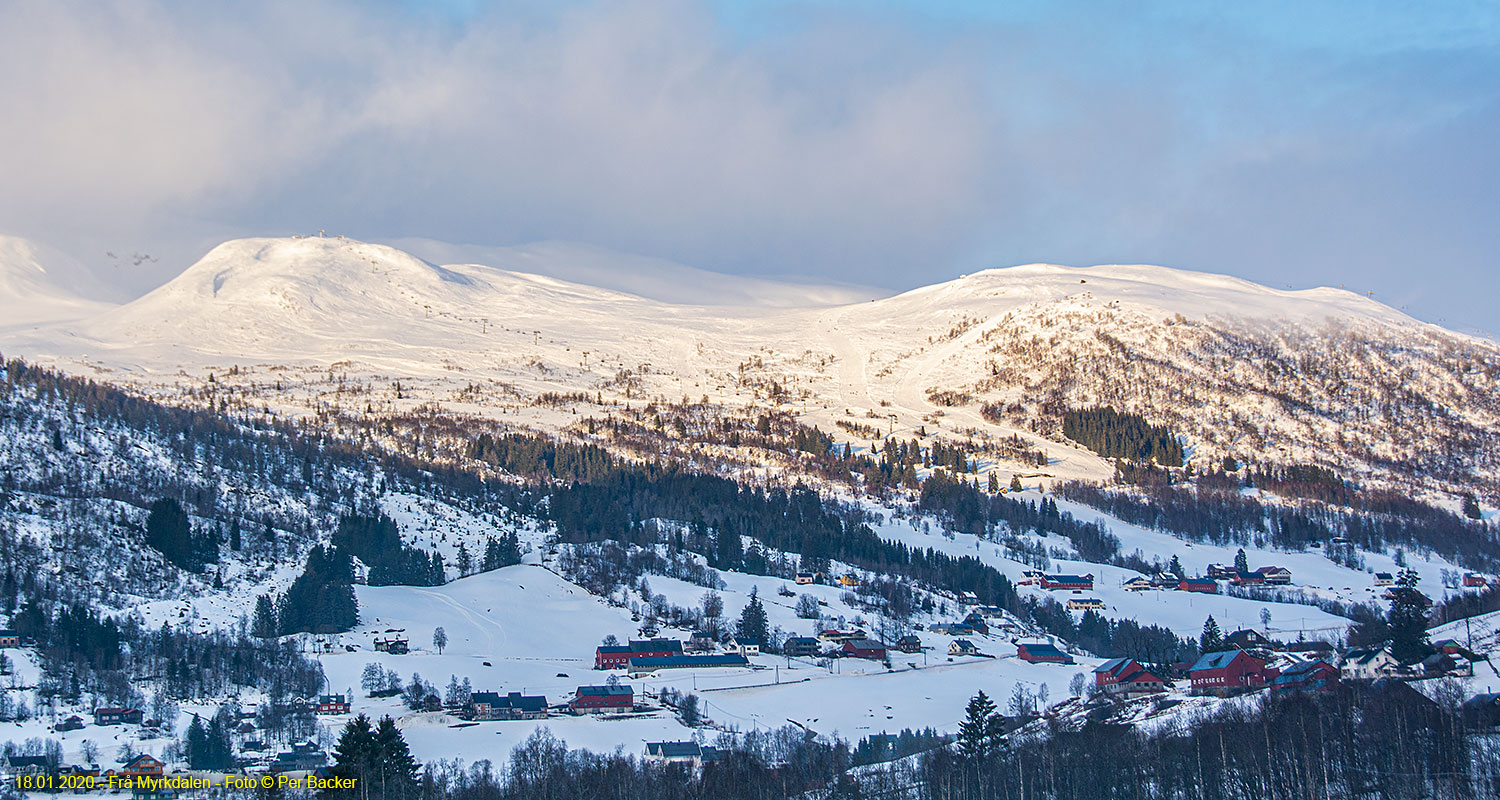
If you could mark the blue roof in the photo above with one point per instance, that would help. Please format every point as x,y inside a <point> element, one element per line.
<point>1111,665</point>
<point>1042,649</point>
<point>1069,578</point>
<point>605,691</point>
<point>1217,660</point>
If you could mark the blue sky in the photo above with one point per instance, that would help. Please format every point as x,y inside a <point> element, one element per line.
<point>887,143</point>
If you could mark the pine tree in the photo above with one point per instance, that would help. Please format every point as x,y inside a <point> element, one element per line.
<point>354,757</point>
<point>396,769</point>
<point>1015,483</point>
<point>979,732</point>
<point>1408,620</point>
<point>1175,567</point>
<point>1241,563</point>
<point>753,625</point>
<point>263,624</point>
<point>1471,506</point>
<point>1212,639</point>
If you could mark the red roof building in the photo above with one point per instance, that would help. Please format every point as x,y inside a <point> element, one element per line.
<point>1199,585</point>
<point>600,699</point>
<point>1126,678</point>
<point>1063,582</point>
<point>1228,672</point>
<point>617,656</point>
<point>1041,653</point>
<point>865,648</point>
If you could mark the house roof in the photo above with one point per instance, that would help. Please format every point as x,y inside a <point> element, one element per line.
<point>142,760</point>
<point>791,639</point>
<point>1042,649</point>
<point>689,661</point>
<point>1365,655</point>
<point>864,644</point>
<point>682,750</point>
<point>9,632</point>
<point>963,643</point>
<point>514,700</point>
<point>28,761</point>
<point>1069,578</point>
<point>619,690</point>
<point>1217,660</point>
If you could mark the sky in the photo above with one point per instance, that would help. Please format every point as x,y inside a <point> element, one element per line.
<point>880,143</point>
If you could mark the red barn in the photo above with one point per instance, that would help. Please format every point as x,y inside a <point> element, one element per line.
<point>599,699</point>
<point>1042,652</point>
<point>618,656</point>
<point>1472,580</point>
<point>865,648</point>
<point>1056,582</point>
<point>1228,672</point>
<point>1199,585</point>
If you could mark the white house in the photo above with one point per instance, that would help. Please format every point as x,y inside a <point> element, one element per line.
<point>1368,664</point>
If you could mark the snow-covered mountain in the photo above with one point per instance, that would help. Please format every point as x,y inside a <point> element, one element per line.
<point>40,285</point>
<point>1321,376</point>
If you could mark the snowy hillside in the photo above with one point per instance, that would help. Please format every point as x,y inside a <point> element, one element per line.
<point>1261,375</point>
<point>39,285</point>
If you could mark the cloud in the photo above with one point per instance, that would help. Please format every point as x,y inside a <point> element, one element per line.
<point>881,145</point>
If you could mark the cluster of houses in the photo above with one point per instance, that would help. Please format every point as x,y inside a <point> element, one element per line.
<point>848,580</point>
<point>395,645</point>
<point>609,698</point>
<point>1251,662</point>
<point>1209,584</point>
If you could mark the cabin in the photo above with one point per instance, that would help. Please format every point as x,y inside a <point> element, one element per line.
<point>839,637</point>
<point>332,704</point>
<point>849,580</point>
<point>1384,579</point>
<point>1085,603</point>
<point>1199,585</point>
<point>699,641</point>
<point>1247,579</point>
<point>9,638</point>
<point>962,647</point>
<point>1054,583</point>
<point>112,715</point>
<point>1275,576</point>
<point>492,706</point>
<point>1139,584</point>
<point>1041,653</point>
<point>1305,676</point>
<point>1369,664</point>
<point>602,699</point>
<point>865,648</point>
<point>680,753</point>
<point>1219,572</point>
<point>616,656</point>
<point>645,665</point>
<point>1475,581</point>
<point>909,644</point>
<point>952,628</point>
<point>1227,672</point>
<point>72,723</point>
<point>977,621</point>
<point>395,645</point>
<point>801,646</point>
<point>743,646</point>
<point>1126,679</point>
<point>1165,580</point>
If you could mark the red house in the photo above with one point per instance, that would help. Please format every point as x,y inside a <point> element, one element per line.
<point>1043,653</point>
<point>1125,677</point>
<point>1228,672</point>
<point>332,704</point>
<point>1199,585</point>
<point>1248,579</point>
<point>1056,582</point>
<point>618,656</point>
<point>1472,580</point>
<point>599,699</point>
<point>865,648</point>
<point>1306,676</point>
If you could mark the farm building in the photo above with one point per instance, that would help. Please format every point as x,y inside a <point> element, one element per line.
<point>1306,676</point>
<point>1041,653</point>
<point>644,665</point>
<point>616,656</point>
<point>1199,585</point>
<point>865,648</point>
<point>1054,583</point>
<point>909,644</point>
<point>332,704</point>
<point>801,646</point>
<point>680,752</point>
<point>1227,672</point>
<point>599,699</point>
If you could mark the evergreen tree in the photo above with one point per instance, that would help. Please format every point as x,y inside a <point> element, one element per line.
<point>979,732</point>
<point>753,625</point>
<point>1015,483</point>
<point>1408,620</point>
<point>354,757</point>
<point>396,769</point>
<point>321,599</point>
<point>1212,639</point>
<point>1471,506</point>
<point>1241,563</point>
<point>1175,567</point>
<point>263,624</point>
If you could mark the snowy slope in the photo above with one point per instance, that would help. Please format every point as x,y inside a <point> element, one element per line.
<point>40,285</point>
<point>1237,369</point>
